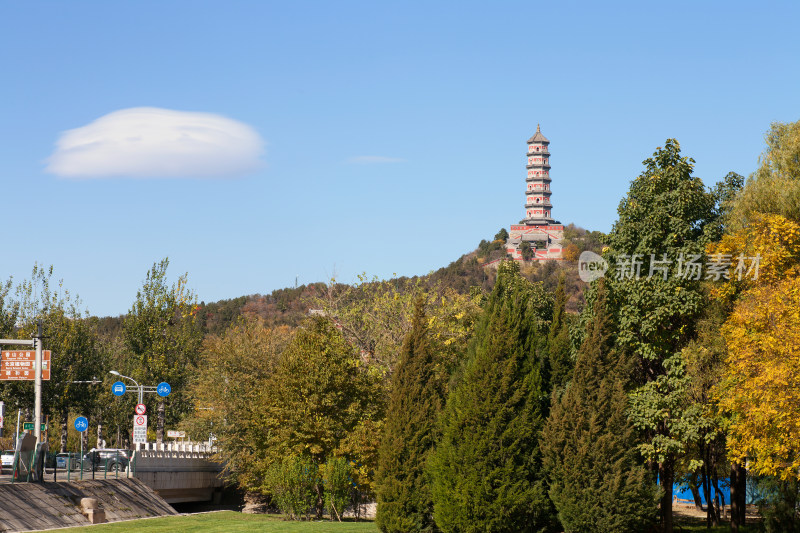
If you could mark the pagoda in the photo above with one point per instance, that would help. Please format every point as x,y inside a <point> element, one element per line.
<point>543,233</point>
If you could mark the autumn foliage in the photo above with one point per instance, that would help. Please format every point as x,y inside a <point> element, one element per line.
<point>762,384</point>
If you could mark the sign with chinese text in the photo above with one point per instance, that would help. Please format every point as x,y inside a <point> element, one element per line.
<point>140,429</point>
<point>20,365</point>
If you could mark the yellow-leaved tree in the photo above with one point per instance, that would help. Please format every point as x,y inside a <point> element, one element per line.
<point>760,387</point>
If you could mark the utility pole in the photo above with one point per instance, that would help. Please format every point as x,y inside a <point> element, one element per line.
<point>37,409</point>
<point>36,343</point>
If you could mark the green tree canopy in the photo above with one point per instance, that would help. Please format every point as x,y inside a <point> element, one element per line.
<point>559,346</point>
<point>774,188</point>
<point>163,339</point>
<point>321,392</point>
<point>231,393</point>
<point>597,478</point>
<point>410,432</point>
<point>486,470</point>
<point>70,335</point>
<point>656,298</point>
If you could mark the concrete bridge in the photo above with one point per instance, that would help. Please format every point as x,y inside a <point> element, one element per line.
<point>178,472</point>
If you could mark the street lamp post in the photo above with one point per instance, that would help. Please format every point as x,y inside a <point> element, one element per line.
<point>138,387</point>
<point>163,389</point>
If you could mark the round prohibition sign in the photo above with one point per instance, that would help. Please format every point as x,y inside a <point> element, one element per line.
<point>139,420</point>
<point>140,409</point>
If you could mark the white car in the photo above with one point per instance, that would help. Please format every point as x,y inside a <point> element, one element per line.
<point>7,461</point>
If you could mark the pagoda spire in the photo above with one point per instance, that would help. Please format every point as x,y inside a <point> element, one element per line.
<point>537,184</point>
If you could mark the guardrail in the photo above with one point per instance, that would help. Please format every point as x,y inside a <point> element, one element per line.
<point>104,464</point>
<point>192,447</point>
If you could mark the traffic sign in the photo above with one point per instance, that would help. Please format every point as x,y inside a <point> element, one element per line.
<point>163,389</point>
<point>140,409</point>
<point>28,426</point>
<point>81,424</point>
<point>21,365</point>
<point>118,388</point>
<point>1,422</point>
<point>140,428</point>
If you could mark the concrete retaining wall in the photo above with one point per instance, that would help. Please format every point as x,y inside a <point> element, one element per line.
<point>178,472</point>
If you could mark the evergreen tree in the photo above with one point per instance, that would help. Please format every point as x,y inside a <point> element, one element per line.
<point>559,358</point>
<point>597,479</point>
<point>404,499</point>
<point>486,470</point>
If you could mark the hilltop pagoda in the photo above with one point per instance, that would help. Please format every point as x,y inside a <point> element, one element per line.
<point>538,228</point>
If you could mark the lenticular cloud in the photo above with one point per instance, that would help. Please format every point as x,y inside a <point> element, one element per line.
<point>153,142</point>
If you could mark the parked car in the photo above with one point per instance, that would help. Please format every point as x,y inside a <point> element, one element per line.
<point>7,461</point>
<point>64,460</point>
<point>110,459</point>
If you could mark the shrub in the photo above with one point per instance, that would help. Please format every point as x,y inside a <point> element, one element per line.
<point>337,486</point>
<point>292,484</point>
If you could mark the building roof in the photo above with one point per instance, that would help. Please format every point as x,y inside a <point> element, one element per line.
<point>534,237</point>
<point>538,137</point>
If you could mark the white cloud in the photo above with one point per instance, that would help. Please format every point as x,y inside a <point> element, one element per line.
<point>367,159</point>
<point>153,142</point>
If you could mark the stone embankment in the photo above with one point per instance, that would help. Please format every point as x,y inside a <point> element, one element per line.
<point>31,506</point>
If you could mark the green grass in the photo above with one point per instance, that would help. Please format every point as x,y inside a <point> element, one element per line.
<point>228,522</point>
<point>232,522</point>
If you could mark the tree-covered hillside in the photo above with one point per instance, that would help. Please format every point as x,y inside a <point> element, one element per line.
<point>478,268</point>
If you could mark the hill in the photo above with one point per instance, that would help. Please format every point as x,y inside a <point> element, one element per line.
<point>474,269</point>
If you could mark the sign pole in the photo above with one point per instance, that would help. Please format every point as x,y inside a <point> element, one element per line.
<point>37,410</point>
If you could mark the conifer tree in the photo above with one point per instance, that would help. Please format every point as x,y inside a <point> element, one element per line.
<point>597,480</point>
<point>404,499</point>
<point>559,358</point>
<point>486,470</point>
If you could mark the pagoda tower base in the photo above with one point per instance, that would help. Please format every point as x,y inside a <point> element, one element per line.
<point>545,241</point>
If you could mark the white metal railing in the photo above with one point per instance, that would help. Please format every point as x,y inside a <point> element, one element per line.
<point>175,447</point>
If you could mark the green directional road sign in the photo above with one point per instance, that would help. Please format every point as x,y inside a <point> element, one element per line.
<point>28,426</point>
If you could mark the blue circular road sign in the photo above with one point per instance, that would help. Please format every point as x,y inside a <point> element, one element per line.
<point>81,424</point>
<point>163,389</point>
<point>118,388</point>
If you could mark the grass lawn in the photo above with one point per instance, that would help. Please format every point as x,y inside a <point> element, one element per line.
<point>228,522</point>
<point>232,522</point>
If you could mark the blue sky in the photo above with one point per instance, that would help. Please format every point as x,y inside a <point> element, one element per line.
<point>386,137</point>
